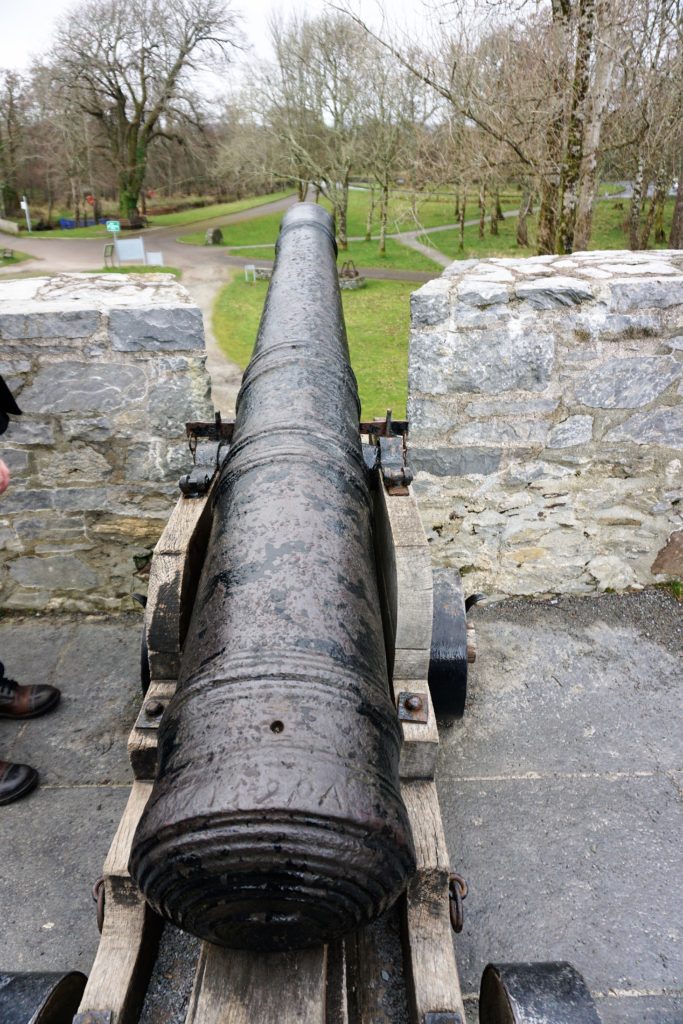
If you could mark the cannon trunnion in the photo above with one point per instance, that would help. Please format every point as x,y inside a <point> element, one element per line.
<point>276,821</point>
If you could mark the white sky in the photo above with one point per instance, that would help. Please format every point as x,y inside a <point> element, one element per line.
<point>26,25</point>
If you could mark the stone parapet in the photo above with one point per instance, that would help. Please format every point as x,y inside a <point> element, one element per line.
<point>106,369</point>
<point>546,420</point>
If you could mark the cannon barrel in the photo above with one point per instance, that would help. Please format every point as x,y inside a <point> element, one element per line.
<point>276,820</point>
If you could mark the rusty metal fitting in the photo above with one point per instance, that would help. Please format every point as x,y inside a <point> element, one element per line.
<point>457,892</point>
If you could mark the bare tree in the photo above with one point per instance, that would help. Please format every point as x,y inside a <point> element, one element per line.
<point>129,65</point>
<point>315,99</point>
<point>12,124</point>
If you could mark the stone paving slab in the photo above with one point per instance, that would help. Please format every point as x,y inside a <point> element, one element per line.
<point>95,663</point>
<point>577,869</point>
<point>52,847</point>
<point>561,791</point>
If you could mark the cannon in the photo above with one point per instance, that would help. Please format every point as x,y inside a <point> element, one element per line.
<point>296,645</point>
<point>276,820</point>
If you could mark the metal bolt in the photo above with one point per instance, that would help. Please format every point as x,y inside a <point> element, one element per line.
<point>154,708</point>
<point>413,703</point>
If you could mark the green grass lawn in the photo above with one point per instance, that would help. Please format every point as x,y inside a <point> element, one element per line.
<point>608,233</point>
<point>430,213</point>
<point>142,269</point>
<point>261,230</point>
<point>377,322</point>
<point>17,257</point>
<point>180,219</point>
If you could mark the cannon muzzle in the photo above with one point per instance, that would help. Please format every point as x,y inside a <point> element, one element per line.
<point>276,820</point>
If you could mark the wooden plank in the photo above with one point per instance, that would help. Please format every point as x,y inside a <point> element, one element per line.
<point>125,955</point>
<point>130,935</point>
<point>116,862</point>
<point>420,746</point>
<point>174,575</point>
<point>142,743</point>
<point>405,583</point>
<point>238,987</point>
<point>430,966</point>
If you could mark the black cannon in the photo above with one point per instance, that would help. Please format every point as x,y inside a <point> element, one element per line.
<point>276,820</point>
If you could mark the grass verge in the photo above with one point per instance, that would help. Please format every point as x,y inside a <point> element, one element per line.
<point>377,322</point>
<point>180,219</point>
<point>609,232</point>
<point>142,269</point>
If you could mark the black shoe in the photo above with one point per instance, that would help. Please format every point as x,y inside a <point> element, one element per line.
<point>16,780</point>
<point>18,701</point>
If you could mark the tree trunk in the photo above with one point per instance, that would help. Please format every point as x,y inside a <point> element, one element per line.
<point>554,136</point>
<point>524,210</point>
<point>342,208</point>
<point>456,211</point>
<point>569,185</point>
<point>301,190</point>
<point>463,211</point>
<point>496,213</point>
<point>371,214</point>
<point>657,201</point>
<point>588,179</point>
<point>636,203</point>
<point>482,210</point>
<point>383,218</point>
<point>676,234</point>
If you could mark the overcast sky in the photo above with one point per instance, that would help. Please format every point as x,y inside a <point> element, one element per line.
<point>26,26</point>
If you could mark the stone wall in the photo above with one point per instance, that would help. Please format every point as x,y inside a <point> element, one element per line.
<point>106,369</point>
<point>546,412</point>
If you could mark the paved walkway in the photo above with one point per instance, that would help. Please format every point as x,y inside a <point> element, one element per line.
<point>560,792</point>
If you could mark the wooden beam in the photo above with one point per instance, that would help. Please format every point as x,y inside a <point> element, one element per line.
<point>238,987</point>
<point>429,960</point>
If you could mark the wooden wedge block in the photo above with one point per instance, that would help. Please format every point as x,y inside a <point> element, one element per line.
<point>238,987</point>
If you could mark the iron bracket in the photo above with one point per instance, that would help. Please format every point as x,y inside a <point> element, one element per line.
<point>388,437</point>
<point>413,707</point>
<point>151,713</point>
<point>218,430</point>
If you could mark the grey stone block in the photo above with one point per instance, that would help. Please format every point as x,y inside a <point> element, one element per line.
<point>27,431</point>
<point>488,432</point>
<point>79,323</point>
<point>17,499</point>
<point>478,292</point>
<point>551,292</point>
<point>523,407</point>
<point>85,387</point>
<point>429,305</point>
<point>53,572</point>
<point>156,328</point>
<point>627,295</point>
<point>455,461</point>
<point>659,427</point>
<point>573,431</point>
<point>517,357</point>
<point>627,383</point>
<point>16,461</point>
